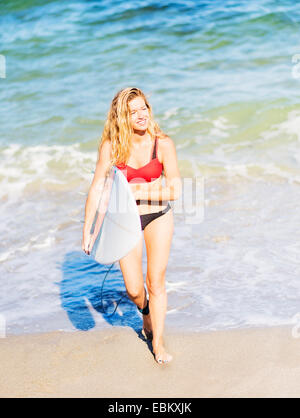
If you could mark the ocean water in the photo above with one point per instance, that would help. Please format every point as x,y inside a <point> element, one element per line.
<point>224,83</point>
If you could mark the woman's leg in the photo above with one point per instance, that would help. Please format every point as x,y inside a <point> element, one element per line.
<point>158,237</point>
<point>131,267</point>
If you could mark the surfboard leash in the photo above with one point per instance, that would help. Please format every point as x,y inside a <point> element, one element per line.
<point>102,306</point>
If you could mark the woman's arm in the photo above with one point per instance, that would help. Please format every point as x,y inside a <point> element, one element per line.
<point>102,166</point>
<point>172,190</point>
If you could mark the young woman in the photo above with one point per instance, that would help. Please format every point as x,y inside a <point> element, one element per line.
<point>133,142</point>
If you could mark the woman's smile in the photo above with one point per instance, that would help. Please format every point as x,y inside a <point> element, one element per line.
<point>142,122</point>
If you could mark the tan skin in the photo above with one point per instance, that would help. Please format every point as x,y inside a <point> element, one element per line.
<point>157,234</point>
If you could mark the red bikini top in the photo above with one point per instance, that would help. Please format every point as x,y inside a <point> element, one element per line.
<point>147,173</point>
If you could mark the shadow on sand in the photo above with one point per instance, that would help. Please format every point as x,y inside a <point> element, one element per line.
<point>87,284</point>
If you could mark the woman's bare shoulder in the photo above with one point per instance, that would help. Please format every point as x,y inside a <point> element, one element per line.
<point>165,142</point>
<point>105,146</point>
<point>104,149</point>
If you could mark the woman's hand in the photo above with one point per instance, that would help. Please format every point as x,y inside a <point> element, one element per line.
<point>141,191</point>
<point>86,242</point>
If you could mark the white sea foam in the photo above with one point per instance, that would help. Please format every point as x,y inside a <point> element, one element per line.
<point>289,127</point>
<point>43,165</point>
<point>221,127</point>
<point>169,113</point>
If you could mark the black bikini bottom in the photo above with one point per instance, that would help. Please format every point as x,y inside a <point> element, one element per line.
<point>149,217</point>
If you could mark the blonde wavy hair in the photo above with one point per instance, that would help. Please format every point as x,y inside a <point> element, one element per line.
<point>117,128</point>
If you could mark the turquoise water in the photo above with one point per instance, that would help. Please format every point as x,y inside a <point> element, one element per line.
<point>220,78</point>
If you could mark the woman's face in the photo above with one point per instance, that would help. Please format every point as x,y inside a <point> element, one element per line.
<point>139,114</point>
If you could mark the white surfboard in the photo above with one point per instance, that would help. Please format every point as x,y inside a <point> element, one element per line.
<point>116,228</point>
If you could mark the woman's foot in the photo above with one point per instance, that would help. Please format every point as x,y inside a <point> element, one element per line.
<point>160,354</point>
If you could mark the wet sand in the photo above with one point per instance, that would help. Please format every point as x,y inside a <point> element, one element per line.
<point>117,363</point>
